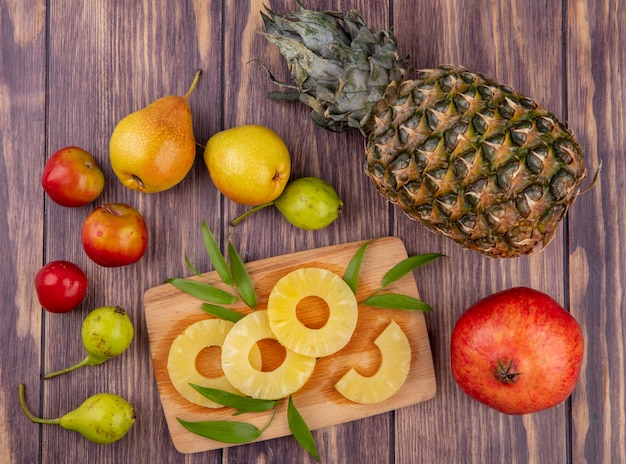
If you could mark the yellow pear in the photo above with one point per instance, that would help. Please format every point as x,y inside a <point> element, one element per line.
<point>154,148</point>
<point>249,164</point>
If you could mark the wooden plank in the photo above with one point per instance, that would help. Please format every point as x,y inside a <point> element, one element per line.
<point>501,40</point>
<point>22,154</point>
<point>597,86</point>
<point>170,311</point>
<point>107,60</point>
<point>336,158</point>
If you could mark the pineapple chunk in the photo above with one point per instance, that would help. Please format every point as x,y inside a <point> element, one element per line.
<point>286,379</point>
<point>282,308</point>
<point>181,362</point>
<point>393,371</point>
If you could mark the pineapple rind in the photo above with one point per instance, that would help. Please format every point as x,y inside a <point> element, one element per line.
<point>181,362</point>
<point>391,375</point>
<point>474,160</point>
<point>291,332</point>
<point>279,383</point>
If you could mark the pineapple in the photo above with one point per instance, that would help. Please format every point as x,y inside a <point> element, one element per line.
<point>282,307</point>
<point>286,379</point>
<point>393,371</point>
<point>470,158</point>
<point>181,362</point>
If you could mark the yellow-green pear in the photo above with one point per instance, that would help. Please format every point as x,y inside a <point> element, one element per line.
<point>103,418</point>
<point>154,148</point>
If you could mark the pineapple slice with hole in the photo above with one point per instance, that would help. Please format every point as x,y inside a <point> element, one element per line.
<point>184,353</point>
<point>295,290</point>
<point>278,383</point>
<point>391,375</point>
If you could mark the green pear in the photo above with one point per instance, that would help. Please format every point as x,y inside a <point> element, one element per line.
<point>153,149</point>
<point>102,418</point>
<point>107,332</point>
<point>308,203</point>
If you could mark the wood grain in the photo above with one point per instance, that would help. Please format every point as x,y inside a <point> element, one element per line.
<point>70,70</point>
<point>597,254</point>
<point>22,153</point>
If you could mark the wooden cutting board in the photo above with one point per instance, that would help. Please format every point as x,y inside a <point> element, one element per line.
<point>169,311</point>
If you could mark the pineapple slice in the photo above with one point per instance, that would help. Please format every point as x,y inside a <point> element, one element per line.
<point>393,371</point>
<point>181,362</point>
<point>312,282</point>
<point>286,379</point>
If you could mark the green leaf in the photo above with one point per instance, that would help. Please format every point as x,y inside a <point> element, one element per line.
<point>216,256</point>
<point>407,265</point>
<point>223,431</point>
<point>221,312</point>
<point>238,402</point>
<point>300,430</point>
<point>243,283</point>
<point>396,301</point>
<point>351,274</point>
<point>190,266</point>
<point>203,291</point>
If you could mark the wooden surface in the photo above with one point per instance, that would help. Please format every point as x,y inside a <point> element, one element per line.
<point>70,70</point>
<point>169,311</point>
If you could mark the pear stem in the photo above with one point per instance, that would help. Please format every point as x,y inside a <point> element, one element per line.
<point>237,220</point>
<point>84,362</point>
<point>193,84</point>
<point>29,414</point>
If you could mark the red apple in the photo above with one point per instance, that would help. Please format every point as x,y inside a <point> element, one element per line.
<point>517,351</point>
<point>114,235</point>
<point>60,286</point>
<point>72,178</point>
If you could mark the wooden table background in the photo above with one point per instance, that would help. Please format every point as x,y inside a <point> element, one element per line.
<point>70,70</point>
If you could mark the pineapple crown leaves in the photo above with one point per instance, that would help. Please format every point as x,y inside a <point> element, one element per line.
<point>340,67</point>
